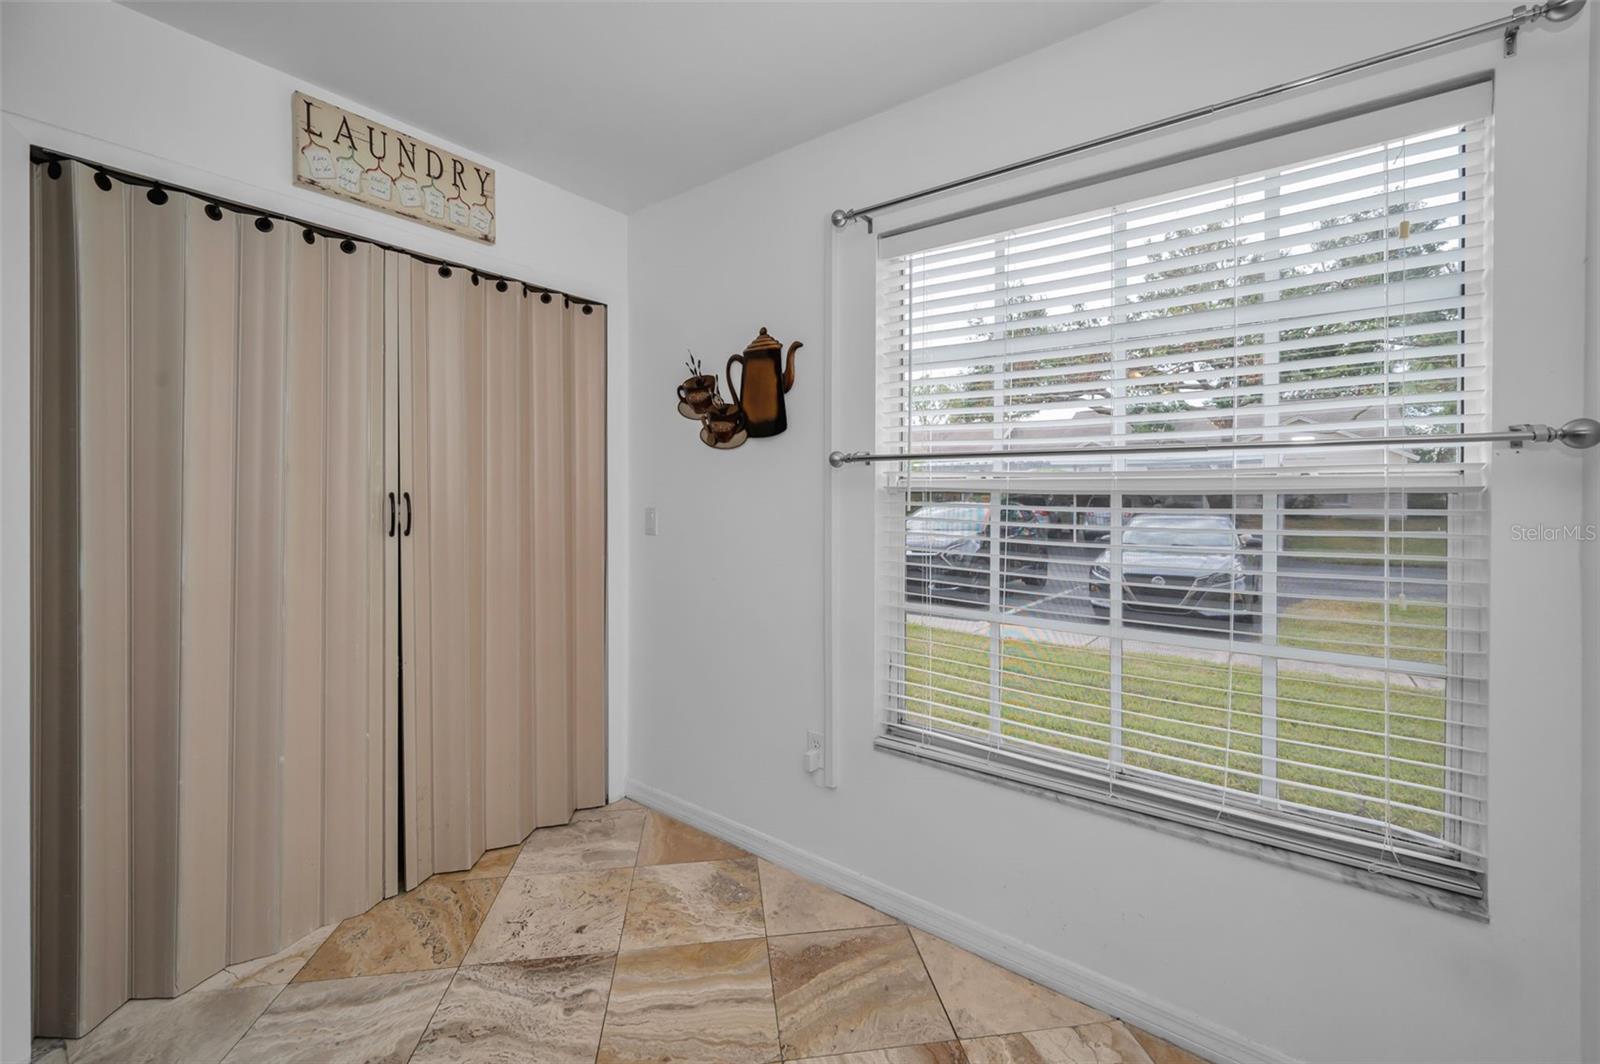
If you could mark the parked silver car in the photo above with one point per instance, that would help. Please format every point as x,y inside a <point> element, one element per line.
<point>947,549</point>
<point>1195,563</point>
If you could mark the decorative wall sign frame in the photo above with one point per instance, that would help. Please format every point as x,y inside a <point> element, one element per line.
<point>343,154</point>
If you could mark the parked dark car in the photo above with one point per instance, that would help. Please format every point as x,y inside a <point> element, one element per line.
<point>1094,511</point>
<point>947,549</point>
<point>1094,520</point>
<point>1192,563</point>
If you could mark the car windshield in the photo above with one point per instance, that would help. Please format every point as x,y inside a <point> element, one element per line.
<point>1177,535</point>
<point>947,520</point>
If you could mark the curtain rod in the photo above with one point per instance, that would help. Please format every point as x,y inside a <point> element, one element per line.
<point>1580,433</point>
<point>1507,25</point>
<point>38,154</point>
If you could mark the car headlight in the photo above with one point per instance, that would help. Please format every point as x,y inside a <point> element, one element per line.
<point>960,554</point>
<point>1220,578</point>
<point>1099,572</point>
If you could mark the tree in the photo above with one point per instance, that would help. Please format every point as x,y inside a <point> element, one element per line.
<point>1208,378</point>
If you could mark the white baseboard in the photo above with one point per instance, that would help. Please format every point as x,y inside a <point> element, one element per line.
<point>1209,1040</point>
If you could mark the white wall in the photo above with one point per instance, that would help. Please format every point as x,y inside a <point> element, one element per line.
<point>105,83</point>
<point>1230,953</point>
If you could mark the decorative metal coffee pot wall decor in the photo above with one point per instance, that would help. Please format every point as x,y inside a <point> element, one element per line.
<point>763,383</point>
<point>757,410</point>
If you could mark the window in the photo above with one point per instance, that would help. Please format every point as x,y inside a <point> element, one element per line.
<point>1285,645</point>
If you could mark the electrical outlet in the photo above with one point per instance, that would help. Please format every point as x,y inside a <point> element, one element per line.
<point>651,525</point>
<point>813,757</point>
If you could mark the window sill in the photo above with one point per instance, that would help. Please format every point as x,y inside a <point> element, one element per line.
<point>1045,785</point>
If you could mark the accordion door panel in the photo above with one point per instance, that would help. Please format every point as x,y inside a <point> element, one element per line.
<point>81,602</point>
<point>444,478</point>
<point>205,694</point>
<point>256,833</point>
<point>550,580</point>
<point>587,557</point>
<point>413,483</point>
<point>305,579</point>
<point>353,847</point>
<point>157,248</point>
<point>508,753</point>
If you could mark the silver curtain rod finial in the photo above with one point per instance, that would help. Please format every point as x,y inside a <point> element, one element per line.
<point>841,218</point>
<point>1581,432</point>
<point>1561,10</point>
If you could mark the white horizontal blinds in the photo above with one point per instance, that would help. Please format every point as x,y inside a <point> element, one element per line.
<point>1162,320</point>
<point>1283,644</point>
<point>1359,654</point>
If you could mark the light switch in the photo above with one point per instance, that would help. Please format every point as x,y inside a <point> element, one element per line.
<point>650,525</point>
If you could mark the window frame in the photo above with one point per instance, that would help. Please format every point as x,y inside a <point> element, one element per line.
<point>1175,803</point>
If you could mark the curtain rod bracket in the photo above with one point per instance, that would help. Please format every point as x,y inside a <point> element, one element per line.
<point>1552,11</point>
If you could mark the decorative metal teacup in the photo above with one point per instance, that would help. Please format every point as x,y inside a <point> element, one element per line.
<point>723,421</point>
<point>698,393</point>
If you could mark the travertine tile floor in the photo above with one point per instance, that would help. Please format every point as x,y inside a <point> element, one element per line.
<point>623,937</point>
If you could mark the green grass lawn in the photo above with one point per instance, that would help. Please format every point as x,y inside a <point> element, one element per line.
<point>1360,541</point>
<point>1175,708</point>
<point>1416,631</point>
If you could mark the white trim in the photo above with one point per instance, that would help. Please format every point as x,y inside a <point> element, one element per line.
<point>832,696</point>
<point>1182,1028</point>
<point>16,576</point>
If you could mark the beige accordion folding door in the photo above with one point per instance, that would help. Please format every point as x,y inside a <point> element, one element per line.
<point>277,475</point>
<point>209,695</point>
<point>502,474</point>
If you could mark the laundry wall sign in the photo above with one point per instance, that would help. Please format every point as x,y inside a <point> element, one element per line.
<point>345,155</point>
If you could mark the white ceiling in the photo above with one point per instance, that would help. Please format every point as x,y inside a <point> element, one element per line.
<point>629,103</point>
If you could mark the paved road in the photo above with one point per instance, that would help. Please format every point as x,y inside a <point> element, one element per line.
<point>1064,594</point>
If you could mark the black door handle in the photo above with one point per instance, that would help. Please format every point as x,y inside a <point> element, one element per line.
<point>391,515</point>
<point>406,496</point>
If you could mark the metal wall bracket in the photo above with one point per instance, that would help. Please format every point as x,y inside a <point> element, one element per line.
<point>1511,32</point>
